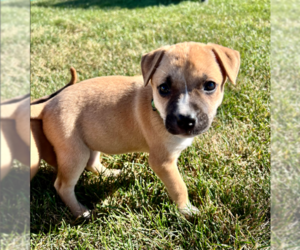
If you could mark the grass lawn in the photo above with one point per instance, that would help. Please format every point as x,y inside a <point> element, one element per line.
<point>285,146</point>
<point>15,46</point>
<point>227,169</point>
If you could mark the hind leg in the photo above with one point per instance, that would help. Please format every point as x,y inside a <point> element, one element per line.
<point>94,165</point>
<point>71,163</point>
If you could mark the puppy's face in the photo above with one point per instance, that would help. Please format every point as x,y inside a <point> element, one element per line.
<point>188,86</point>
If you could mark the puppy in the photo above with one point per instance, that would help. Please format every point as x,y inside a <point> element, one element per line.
<point>160,112</point>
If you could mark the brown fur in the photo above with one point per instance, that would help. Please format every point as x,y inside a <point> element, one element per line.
<point>113,115</point>
<point>40,147</point>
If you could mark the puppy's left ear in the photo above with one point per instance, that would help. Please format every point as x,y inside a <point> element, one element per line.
<point>228,59</point>
<point>149,63</point>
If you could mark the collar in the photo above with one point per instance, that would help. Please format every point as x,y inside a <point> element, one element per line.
<point>153,107</point>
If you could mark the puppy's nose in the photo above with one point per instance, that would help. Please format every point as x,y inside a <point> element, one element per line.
<point>186,123</point>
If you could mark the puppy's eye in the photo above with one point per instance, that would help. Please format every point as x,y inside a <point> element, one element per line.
<point>164,89</point>
<point>209,86</point>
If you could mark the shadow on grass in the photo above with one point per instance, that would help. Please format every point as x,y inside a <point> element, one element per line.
<point>16,4</point>
<point>14,201</point>
<point>48,211</point>
<point>129,4</point>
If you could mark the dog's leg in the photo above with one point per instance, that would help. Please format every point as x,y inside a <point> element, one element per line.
<point>71,163</point>
<point>35,158</point>
<point>94,165</point>
<point>167,171</point>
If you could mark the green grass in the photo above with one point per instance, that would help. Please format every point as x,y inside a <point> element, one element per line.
<point>15,209</point>
<point>285,146</point>
<point>15,51</point>
<point>227,170</point>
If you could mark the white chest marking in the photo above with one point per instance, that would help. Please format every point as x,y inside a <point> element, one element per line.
<point>177,144</point>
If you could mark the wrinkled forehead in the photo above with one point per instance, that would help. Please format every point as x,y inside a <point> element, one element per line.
<point>189,64</point>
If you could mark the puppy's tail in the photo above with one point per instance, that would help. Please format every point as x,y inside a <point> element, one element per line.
<point>74,76</point>
<point>48,97</point>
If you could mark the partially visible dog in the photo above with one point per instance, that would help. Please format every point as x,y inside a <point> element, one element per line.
<point>14,133</point>
<point>118,114</point>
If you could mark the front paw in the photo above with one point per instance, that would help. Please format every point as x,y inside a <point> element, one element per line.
<point>189,211</point>
<point>83,218</point>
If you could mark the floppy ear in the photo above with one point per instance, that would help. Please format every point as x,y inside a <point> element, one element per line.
<point>149,63</point>
<point>228,59</point>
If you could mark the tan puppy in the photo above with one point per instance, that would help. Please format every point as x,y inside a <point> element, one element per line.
<point>114,115</point>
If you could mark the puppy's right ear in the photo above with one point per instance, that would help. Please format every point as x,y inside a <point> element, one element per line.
<point>149,63</point>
